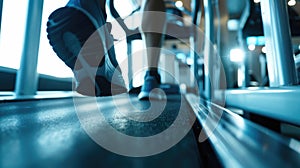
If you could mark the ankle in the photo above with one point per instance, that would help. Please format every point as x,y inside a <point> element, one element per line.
<point>153,72</point>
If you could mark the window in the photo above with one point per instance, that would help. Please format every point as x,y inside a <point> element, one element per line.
<point>48,62</point>
<point>12,32</point>
<point>12,38</point>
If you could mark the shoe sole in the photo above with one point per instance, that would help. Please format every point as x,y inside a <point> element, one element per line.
<point>151,91</point>
<point>68,30</point>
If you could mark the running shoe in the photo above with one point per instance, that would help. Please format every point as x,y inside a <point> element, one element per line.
<point>80,37</point>
<point>151,88</point>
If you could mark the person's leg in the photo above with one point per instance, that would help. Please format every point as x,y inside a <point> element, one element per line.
<point>152,28</point>
<point>153,25</point>
<point>80,39</point>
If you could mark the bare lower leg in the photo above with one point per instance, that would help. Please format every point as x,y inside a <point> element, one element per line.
<point>153,25</point>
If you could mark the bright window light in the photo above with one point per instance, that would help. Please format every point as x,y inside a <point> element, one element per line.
<point>12,33</point>
<point>48,62</point>
<point>124,7</point>
<point>12,38</point>
<point>179,4</point>
<point>237,55</point>
<point>264,49</point>
<point>256,1</point>
<point>292,2</point>
<point>189,61</point>
<point>233,24</point>
<point>251,47</point>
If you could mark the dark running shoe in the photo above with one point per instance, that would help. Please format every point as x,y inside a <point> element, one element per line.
<point>151,88</point>
<point>79,39</point>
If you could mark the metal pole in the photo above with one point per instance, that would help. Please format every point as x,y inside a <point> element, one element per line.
<point>280,60</point>
<point>1,7</point>
<point>27,77</point>
<point>209,33</point>
<point>245,65</point>
<point>195,46</point>
<point>130,66</point>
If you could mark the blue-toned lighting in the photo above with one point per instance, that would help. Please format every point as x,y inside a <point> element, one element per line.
<point>181,56</point>
<point>233,24</point>
<point>189,61</point>
<point>179,4</point>
<point>251,40</point>
<point>237,55</point>
<point>263,49</point>
<point>251,47</point>
<point>256,40</point>
<point>292,2</point>
<point>261,40</point>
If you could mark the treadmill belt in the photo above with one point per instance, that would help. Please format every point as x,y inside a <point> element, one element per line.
<point>52,133</point>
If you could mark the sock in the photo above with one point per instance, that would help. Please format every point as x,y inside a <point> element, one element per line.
<point>154,72</point>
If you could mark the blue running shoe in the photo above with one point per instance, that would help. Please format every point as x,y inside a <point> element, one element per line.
<point>150,89</point>
<point>74,34</point>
